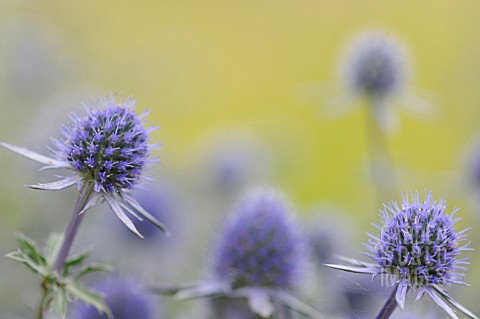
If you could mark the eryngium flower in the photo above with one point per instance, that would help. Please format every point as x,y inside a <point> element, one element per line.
<point>375,64</point>
<point>258,261</point>
<point>418,242</point>
<point>108,146</point>
<point>124,298</point>
<point>108,150</point>
<point>417,248</point>
<point>260,245</point>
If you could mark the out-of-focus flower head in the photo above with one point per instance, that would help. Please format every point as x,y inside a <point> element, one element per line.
<point>125,298</point>
<point>374,68</point>
<point>260,245</point>
<point>375,64</point>
<point>259,259</point>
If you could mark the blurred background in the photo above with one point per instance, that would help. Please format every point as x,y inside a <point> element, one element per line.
<point>242,92</point>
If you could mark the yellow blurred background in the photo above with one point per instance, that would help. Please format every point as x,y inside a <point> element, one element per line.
<point>224,72</point>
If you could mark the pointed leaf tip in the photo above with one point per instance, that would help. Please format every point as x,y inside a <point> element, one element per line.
<point>132,202</point>
<point>454,303</point>
<point>440,302</point>
<point>57,185</point>
<point>354,269</point>
<point>401,293</point>
<point>117,209</point>
<point>34,156</point>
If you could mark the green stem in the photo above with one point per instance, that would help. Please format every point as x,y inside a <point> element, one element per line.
<point>39,310</point>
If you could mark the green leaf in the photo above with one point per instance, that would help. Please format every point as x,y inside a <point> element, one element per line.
<point>29,248</point>
<point>88,296</point>
<point>54,243</point>
<point>17,256</point>
<point>24,259</point>
<point>29,255</point>
<point>60,302</point>
<point>93,268</point>
<point>75,261</point>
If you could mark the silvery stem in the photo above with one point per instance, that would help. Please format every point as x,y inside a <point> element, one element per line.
<point>85,193</point>
<point>381,166</point>
<point>389,306</point>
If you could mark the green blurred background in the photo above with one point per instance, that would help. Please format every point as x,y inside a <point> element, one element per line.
<point>254,75</point>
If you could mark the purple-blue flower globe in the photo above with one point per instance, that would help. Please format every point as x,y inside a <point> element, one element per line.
<point>418,242</point>
<point>125,299</point>
<point>260,245</point>
<point>375,64</point>
<point>108,146</point>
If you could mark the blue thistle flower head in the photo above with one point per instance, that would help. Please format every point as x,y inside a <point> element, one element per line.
<point>375,64</point>
<point>108,146</point>
<point>418,247</point>
<point>260,244</point>
<point>108,150</point>
<point>125,299</point>
<point>418,242</point>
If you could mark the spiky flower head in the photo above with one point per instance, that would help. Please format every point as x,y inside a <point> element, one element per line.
<point>108,150</point>
<point>418,242</point>
<point>260,245</point>
<point>418,248</point>
<point>108,146</point>
<point>125,299</point>
<point>375,64</point>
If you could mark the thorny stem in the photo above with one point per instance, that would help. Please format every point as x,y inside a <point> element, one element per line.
<point>83,197</point>
<point>389,306</point>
